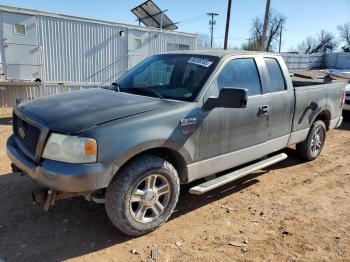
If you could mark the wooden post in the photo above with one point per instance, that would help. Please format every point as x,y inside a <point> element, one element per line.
<point>266,22</point>
<point>227,23</point>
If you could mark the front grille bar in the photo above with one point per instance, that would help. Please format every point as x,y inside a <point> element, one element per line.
<point>44,132</point>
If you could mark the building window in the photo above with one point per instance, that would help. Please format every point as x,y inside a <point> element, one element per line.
<point>177,47</point>
<point>20,29</point>
<point>184,47</point>
<point>137,43</point>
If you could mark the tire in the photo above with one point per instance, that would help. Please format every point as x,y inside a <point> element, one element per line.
<point>307,149</point>
<point>135,213</point>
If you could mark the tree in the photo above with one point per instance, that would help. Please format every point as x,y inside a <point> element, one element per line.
<point>203,41</point>
<point>344,33</point>
<point>323,43</point>
<point>276,22</point>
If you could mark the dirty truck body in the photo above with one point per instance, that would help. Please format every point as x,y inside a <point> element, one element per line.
<point>171,120</point>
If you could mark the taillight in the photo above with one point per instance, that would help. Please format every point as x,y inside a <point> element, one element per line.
<point>342,99</point>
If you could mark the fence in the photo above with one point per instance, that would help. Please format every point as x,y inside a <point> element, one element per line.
<point>330,60</point>
<point>338,60</point>
<point>301,61</point>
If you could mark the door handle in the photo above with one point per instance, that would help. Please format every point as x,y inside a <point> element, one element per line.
<point>263,110</point>
<point>189,121</point>
<point>189,125</point>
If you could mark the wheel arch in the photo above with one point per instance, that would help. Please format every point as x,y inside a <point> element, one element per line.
<point>324,116</point>
<point>171,155</point>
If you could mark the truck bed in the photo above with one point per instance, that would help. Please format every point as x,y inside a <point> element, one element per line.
<point>312,97</point>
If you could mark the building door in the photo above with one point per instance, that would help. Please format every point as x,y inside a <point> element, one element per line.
<point>20,47</point>
<point>138,47</point>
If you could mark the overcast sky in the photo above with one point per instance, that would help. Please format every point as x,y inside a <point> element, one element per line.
<point>304,17</point>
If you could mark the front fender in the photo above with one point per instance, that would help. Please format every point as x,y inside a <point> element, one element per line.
<point>120,140</point>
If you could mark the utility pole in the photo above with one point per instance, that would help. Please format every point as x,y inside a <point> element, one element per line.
<point>212,22</point>
<point>227,23</point>
<point>266,22</point>
<point>279,48</point>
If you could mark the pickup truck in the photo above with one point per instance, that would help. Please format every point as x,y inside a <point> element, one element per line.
<point>172,119</point>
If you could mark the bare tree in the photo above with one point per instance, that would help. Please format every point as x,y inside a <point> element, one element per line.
<point>344,33</point>
<point>276,21</point>
<point>203,41</point>
<point>323,43</point>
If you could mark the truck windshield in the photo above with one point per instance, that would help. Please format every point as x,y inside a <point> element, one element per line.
<point>170,76</point>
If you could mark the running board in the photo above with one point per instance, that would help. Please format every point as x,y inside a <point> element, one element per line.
<point>222,180</point>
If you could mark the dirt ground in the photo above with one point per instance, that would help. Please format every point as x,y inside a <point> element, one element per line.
<point>293,211</point>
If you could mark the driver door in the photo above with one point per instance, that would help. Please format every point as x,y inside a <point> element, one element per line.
<point>233,136</point>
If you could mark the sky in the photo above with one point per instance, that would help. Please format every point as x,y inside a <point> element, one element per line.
<point>304,17</point>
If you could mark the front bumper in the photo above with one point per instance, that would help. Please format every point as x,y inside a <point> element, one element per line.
<point>61,176</point>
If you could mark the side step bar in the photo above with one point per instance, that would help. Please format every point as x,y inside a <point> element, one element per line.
<point>222,180</point>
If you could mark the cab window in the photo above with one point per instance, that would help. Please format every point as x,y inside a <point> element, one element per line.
<point>240,73</point>
<point>276,76</point>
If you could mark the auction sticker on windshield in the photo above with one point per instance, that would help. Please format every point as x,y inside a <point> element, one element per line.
<point>200,61</point>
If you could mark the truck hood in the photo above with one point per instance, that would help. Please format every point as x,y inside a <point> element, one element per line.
<point>74,112</point>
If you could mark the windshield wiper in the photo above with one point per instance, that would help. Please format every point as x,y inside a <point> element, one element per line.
<point>144,90</point>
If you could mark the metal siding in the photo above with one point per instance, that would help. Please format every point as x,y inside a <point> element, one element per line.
<point>303,61</point>
<point>160,40</point>
<point>338,60</point>
<point>80,52</point>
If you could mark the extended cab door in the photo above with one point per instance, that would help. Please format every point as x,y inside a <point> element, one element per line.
<point>279,99</point>
<point>229,137</point>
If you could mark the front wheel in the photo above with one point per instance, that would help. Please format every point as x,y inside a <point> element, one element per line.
<point>311,148</point>
<point>143,195</point>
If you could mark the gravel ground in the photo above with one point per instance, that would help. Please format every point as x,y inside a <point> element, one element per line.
<point>293,211</point>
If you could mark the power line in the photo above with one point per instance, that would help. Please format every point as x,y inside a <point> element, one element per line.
<point>212,22</point>
<point>192,18</point>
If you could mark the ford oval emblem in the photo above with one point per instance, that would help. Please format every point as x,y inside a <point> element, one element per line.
<point>22,132</point>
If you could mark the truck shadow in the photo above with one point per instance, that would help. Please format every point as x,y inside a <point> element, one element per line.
<point>346,121</point>
<point>5,121</point>
<point>76,227</point>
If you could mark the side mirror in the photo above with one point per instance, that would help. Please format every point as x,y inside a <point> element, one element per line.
<point>228,98</point>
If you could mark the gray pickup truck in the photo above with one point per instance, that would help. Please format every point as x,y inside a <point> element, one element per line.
<point>172,119</point>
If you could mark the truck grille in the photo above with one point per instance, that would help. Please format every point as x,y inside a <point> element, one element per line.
<point>26,133</point>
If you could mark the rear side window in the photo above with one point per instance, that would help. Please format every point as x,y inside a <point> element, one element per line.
<point>276,76</point>
<point>240,73</point>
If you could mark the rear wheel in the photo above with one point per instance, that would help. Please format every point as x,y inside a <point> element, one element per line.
<point>311,148</point>
<point>143,195</point>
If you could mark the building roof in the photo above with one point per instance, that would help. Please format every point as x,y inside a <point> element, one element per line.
<point>26,11</point>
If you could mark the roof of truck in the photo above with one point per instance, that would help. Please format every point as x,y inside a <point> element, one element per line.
<point>222,52</point>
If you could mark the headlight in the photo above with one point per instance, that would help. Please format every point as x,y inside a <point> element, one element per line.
<point>70,149</point>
